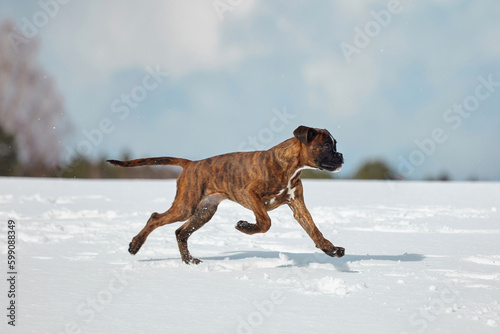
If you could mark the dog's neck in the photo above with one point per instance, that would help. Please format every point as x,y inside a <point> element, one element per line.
<point>286,153</point>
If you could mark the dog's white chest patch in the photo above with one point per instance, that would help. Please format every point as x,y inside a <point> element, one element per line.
<point>291,191</point>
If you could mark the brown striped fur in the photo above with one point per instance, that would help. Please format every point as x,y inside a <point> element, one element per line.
<point>260,181</point>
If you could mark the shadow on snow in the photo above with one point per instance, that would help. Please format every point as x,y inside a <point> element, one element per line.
<point>305,259</point>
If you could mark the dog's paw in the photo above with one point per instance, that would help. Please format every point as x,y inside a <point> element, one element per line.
<point>134,246</point>
<point>334,251</point>
<point>189,259</point>
<point>244,226</point>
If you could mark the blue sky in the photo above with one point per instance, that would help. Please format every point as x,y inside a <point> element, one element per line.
<point>244,74</point>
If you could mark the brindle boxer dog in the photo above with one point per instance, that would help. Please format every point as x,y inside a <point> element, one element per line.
<point>260,181</point>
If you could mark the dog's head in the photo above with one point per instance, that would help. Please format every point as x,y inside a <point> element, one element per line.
<point>320,149</point>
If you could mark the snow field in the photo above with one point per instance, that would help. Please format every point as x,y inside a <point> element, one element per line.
<point>420,257</point>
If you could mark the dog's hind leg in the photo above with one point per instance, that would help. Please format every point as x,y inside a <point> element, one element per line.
<point>204,212</point>
<point>172,215</point>
<point>182,208</point>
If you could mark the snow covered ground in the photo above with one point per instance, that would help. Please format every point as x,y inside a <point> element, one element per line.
<point>420,257</point>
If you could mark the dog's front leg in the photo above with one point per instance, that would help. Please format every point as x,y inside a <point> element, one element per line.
<point>305,220</point>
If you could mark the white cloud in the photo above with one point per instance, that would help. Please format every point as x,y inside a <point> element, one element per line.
<point>352,12</point>
<point>180,36</point>
<point>343,88</point>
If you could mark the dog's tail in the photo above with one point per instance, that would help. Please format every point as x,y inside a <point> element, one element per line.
<point>152,161</point>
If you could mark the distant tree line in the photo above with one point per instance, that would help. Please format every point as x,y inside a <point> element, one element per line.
<point>80,167</point>
<point>373,170</point>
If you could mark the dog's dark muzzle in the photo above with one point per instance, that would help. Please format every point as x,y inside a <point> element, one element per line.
<point>334,164</point>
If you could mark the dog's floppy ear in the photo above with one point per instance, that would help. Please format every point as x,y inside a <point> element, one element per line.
<point>305,134</point>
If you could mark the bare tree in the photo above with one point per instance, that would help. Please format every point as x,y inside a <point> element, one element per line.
<point>31,108</point>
